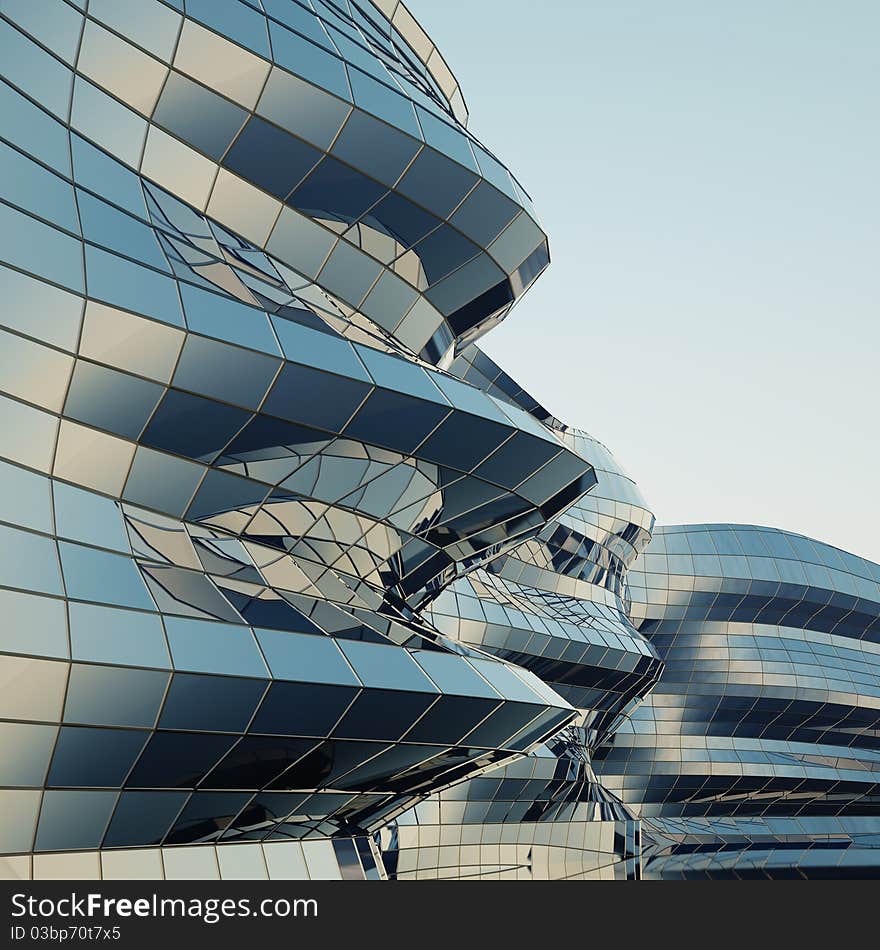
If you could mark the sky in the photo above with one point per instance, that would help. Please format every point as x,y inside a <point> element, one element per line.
<point>708,175</point>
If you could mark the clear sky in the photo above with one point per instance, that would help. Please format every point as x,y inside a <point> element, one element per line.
<point>709,176</point>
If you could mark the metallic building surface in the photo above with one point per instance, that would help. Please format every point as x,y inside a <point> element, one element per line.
<point>295,581</point>
<point>758,751</point>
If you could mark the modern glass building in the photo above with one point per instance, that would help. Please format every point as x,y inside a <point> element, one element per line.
<point>295,581</point>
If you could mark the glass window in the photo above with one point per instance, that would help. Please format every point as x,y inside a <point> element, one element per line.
<point>206,647</point>
<point>313,63</point>
<point>225,372</point>
<point>211,703</point>
<point>442,251</point>
<point>394,420</point>
<point>377,98</point>
<point>38,190</point>
<point>25,749</point>
<point>335,192</point>
<point>300,242</point>
<point>162,481</point>
<point>302,108</point>
<point>29,561</point>
<point>32,130</point>
<point>386,667</point>
<point>437,183</point>
<point>256,761</point>
<point>94,757</point>
<point>36,247</point>
<point>382,714</point>
<point>401,220</point>
<point>312,397</point>
<point>348,273</point>
<point>271,158</point>
<point>113,696</point>
<point>128,285</point>
<point>305,658</point>
<point>178,759</point>
<point>33,69</point>
<point>89,518</point>
<point>73,820</point>
<point>198,116</point>
<point>107,122</point>
<point>129,342</point>
<point>32,371</point>
<point>219,64</point>
<point>221,493</point>
<point>28,434</point>
<point>453,674</point>
<point>302,709</point>
<point>40,310</point>
<point>216,315</point>
<point>143,818</point>
<point>102,577</point>
<point>123,637</point>
<point>32,625</point>
<point>320,350</point>
<point>235,20</point>
<point>148,23</point>
<point>206,814</point>
<point>110,400</point>
<point>374,147</point>
<point>484,214</point>
<point>192,426</point>
<point>103,224</point>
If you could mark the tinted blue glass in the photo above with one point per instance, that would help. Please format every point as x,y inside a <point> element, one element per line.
<point>178,759</point>
<point>208,647</point>
<point>485,213</point>
<point>401,219</point>
<point>197,115</point>
<point>235,20</point>
<point>143,818</point>
<point>315,398</point>
<point>303,709</point>
<point>270,157</point>
<point>435,182</point>
<point>305,658</point>
<point>104,224</point>
<point>132,287</point>
<point>231,374</point>
<point>37,190</point>
<point>336,192</point>
<point>214,703</point>
<point>29,561</point>
<point>309,61</point>
<point>220,316</point>
<point>36,247</point>
<point>94,757</point>
<point>110,400</point>
<point>31,129</point>
<point>111,696</point>
<point>442,251</point>
<point>394,420</point>
<point>192,426</point>
<point>106,635</point>
<point>73,820</point>
<point>378,149</point>
<point>102,577</point>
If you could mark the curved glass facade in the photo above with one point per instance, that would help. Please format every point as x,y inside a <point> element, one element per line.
<point>296,582</point>
<point>757,752</point>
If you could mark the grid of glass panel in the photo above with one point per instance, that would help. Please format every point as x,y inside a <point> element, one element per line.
<point>296,582</point>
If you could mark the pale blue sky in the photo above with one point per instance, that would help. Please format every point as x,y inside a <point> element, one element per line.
<point>708,175</point>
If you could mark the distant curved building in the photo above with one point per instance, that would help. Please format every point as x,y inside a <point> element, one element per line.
<point>758,752</point>
<point>295,581</point>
